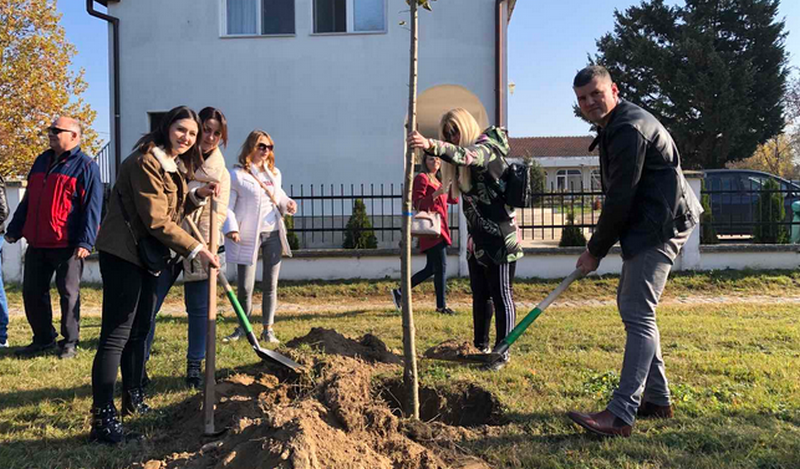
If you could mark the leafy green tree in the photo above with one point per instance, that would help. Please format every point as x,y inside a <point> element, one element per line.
<point>770,212</point>
<point>358,232</point>
<point>713,72</point>
<point>36,84</point>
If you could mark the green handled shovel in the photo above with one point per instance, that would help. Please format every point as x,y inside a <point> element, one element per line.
<point>265,354</point>
<point>501,348</point>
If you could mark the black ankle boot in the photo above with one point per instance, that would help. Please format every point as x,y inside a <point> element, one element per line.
<point>105,425</point>
<point>194,375</point>
<point>133,402</point>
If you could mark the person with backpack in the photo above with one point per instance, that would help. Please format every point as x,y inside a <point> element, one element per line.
<point>493,247</point>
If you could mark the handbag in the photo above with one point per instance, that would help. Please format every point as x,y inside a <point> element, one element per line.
<point>286,250</point>
<point>426,224</point>
<point>154,255</point>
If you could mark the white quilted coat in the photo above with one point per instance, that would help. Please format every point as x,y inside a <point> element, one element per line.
<point>250,213</point>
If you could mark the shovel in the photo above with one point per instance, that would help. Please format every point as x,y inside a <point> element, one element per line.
<point>501,348</point>
<point>263,353</point>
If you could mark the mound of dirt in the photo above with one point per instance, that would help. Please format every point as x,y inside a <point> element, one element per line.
<point>368,347</point>
<point>337,418</point>
<point>451,350</point>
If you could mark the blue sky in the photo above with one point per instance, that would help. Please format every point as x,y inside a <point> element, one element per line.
<point>548,43</point>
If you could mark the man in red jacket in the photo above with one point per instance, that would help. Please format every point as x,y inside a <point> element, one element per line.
<point>59,217</point>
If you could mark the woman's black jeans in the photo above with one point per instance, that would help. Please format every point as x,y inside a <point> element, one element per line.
<point>436,266</point>
<point>129,295</point>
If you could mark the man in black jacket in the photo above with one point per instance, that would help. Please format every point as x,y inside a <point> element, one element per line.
<point>3,300</point>
<point>651,210</point>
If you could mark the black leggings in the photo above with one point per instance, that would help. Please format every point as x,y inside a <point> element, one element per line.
<point>129,295</point>
<point>436,266</point>
<point>492,290</point>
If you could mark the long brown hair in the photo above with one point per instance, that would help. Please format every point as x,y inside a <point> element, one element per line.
<point>193,157</point>
<point>249,147</point>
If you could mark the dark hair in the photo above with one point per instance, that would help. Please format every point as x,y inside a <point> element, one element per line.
<point>587,74</point>
<point>193,157</point>
<point>213,113</point>
<point>424,165</point>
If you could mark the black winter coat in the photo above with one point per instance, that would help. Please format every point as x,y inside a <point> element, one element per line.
<point>648,201</point>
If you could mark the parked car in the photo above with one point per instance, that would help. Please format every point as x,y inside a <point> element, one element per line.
<point>734,197</point>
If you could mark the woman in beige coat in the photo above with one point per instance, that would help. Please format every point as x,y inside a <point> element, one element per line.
<point>149,198</point>
<point>215,131</point>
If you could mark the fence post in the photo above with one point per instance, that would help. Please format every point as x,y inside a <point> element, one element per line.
<point>13,254</point>
<point>463,268</point>
<point>690,254</point>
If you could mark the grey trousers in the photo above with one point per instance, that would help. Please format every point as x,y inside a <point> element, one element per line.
<point>246,279</point>
<point>641,283</point>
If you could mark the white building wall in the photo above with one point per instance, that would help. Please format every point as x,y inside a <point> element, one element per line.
<point>335,104</point>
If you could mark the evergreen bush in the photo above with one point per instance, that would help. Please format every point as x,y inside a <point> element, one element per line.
<point>708,235</point>
<point>769,213</point>
<point>358,232</point>
<point>571,235</point>
<point>291,236</point>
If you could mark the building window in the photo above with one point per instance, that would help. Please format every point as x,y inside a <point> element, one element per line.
<point>569,180</point>
<point>258,17</point>
<point>348,16</point>
<point>155,119</point>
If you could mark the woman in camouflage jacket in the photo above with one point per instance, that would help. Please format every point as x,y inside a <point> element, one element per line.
<point>493,248</point>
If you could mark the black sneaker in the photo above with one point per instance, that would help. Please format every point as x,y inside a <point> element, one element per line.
<point>34,349</point>
<point>446,311</point>
<point>68,351</point>
<point>397,299</point>
<point>194,373</point>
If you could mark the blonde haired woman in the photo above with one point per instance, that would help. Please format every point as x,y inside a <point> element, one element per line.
<point>254,211</point>
<point>476,160</point>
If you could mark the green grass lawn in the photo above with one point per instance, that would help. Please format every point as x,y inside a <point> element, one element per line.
<point>734,370</point>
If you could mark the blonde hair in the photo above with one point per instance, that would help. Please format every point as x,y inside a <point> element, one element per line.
<point>249,147</point>
<point>458,120</point>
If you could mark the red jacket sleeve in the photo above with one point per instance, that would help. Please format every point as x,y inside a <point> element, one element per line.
<point>418,193</point>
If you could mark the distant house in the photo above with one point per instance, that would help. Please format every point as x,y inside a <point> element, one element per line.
<point>567,161</point>
<point>328,79</point>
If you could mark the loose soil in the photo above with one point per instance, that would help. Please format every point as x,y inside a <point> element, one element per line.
<point>341,413</point>
<point>451,350</point>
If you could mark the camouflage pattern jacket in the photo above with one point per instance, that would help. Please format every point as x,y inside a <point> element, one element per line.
<point>491,223</point>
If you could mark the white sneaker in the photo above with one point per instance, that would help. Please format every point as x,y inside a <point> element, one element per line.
<point>268,336</point>
<point>4,344</point>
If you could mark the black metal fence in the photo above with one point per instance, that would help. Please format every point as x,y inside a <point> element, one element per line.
<point>323,212</point>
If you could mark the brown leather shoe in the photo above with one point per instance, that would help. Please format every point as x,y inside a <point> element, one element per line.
<point>602,423</point>
<point>648,409</point>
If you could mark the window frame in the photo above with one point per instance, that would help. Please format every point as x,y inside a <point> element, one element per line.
<point>351,20</point>
<point>223,22</point>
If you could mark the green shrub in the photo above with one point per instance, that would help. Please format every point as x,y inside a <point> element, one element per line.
<point>571,235</point>
<point>358,232</point>
<point>291,236</point>
<point>708,235</point>
<point>769,213</point>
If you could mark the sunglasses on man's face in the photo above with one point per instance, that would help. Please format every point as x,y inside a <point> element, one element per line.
<point>263,147</point>
<point>56,130</point>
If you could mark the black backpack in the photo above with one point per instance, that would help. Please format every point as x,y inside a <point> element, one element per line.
<point>517,177</point>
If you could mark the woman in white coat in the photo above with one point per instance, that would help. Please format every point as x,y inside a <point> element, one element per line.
<point>254,211</point>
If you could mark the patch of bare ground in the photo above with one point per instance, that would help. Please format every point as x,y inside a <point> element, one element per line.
<point>341,417</point>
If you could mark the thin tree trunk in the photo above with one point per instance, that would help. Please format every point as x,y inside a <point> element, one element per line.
<point>211,333</point>
<point>409,348</point>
